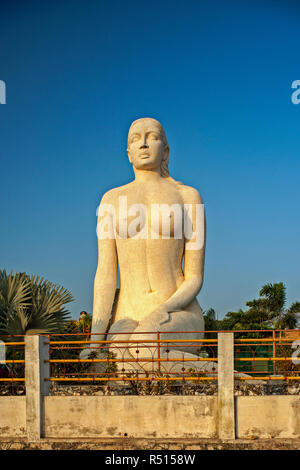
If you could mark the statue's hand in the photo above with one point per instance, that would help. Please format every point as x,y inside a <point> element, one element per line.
<point>160,315</point>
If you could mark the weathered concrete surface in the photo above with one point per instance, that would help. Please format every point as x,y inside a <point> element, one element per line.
<point>131,416</point>
<point>36,370</point>
<point>226,418</point>
<point>12,417</point>
<point>153,417</point>
<point>268,416</point>
<point>151,444</point>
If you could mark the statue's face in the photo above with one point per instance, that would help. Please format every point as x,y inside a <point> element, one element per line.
<point>146,148</point>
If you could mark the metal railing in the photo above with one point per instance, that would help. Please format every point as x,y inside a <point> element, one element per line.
<point>267,355</point>
<point>12,365</point>
<point>128,360</point>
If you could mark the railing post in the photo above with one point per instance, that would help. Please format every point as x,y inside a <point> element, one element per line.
<point>36,370</point>
<point>226,412</point>
<point>158,352</point>
<point>274,351</point>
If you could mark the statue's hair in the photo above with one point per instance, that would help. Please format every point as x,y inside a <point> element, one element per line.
<point>164,167</point>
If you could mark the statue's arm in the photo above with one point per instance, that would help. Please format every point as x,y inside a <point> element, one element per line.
<point>106,275</point>
<point>194,252</point>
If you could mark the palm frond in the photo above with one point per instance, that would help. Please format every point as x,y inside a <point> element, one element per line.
<point>31,304</point>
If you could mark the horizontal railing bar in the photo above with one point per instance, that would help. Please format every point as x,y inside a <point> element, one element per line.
<point>267,340</point>
<point>132,332</point>
<point>133,341</point>
<point>123,373</point>
<point>133,360</point>
<point>269,344</point>
<point>105,348</point>
<point>267,378</point>
<point>270,331</point>
<point>12,380</point>
<point>263,359</point>
<point>174,341</point>
<point>123,379</point>
<point>22,343</point>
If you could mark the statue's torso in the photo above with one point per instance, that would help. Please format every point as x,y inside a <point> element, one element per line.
<point>150,269</point>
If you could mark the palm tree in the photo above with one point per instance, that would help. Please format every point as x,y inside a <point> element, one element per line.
<point>210,313</point>
<point>232,321</point>
<point>31,305</point>
<point>269,308</point>
<point>291,317</point>
<point>274,301</point>
<point>210,319</point>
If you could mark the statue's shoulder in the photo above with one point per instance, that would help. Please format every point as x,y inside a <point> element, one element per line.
<point>111,196</point>
<point>189,194</point>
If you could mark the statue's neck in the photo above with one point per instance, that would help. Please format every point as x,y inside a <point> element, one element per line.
<point>147,176</point>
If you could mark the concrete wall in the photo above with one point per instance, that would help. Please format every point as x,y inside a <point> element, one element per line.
<point>264,417</point>
<point>12,417</point>
<point>134,416</point>
<point>268,416</point>
<point>39,415</point>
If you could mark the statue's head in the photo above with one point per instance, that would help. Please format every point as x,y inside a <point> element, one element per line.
<point>147,146</point>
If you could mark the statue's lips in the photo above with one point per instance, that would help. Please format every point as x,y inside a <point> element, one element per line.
<point>144,155</point>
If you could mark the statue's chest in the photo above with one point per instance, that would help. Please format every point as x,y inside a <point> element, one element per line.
<point>150,214</point>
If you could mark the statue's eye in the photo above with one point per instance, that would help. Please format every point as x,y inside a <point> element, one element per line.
<point>154,136</point>
<point>135,138</point>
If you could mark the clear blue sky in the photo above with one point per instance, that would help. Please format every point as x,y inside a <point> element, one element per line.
<point>217,75</point>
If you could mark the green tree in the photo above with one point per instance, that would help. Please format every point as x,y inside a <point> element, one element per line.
<point>290,319</point>
<point>31,305</point>
<point>210,320</point>
<point>268,311</point>
<point>273,300</point>
<point>232,321</point>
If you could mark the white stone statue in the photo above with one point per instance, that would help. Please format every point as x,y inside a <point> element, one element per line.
<point>153,231</point>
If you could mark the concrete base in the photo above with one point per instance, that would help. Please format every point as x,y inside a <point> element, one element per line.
<point>151,444</point>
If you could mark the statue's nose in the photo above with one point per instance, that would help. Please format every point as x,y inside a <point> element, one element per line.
<point>144,143</point>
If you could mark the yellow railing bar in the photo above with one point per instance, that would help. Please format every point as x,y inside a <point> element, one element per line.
<point>12,380</point>
<point>94,379</point>
<point>132,360</point>
<point>264,359</point>
<point>269,340</point>
<point>267,378</point>
<point>136,341</point>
